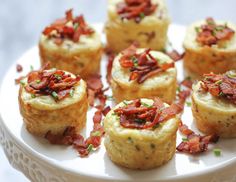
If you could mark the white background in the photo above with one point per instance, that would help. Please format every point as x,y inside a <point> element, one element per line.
<point>21,22</point>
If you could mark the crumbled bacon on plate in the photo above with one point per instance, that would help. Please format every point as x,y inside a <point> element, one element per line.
<point>19,68</point>
<point>69,27</point>
<point>135,9</point>
<point>139,115</point>
<point>194,143</point>
<point>52,82</point>
<point>221,85</point>
<point>211,33</point>
<point>175,55</point>
<point>142,65</point>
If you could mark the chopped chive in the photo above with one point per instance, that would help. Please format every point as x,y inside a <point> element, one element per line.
<point>72,92</point>
<point>188,104</point>
<point>38,81</point>
<point>184,139</point>
<point>31,67</point>
<point>217,152</point>
<point>76,25</point>
<point>22,83</point>
<point>54,94</point>
<point>125,103</point>
<point>178,89</point>
<point>156,126</point>
<point>135,61</point>
<point>130,140</point>
<point>218,82</point>
<point>221,94</point>
<point>96,133</point>
<point>58,77</point>
<point>90,147</point>
<point>33,95</point>
<point>197,29</point>
<point>146,105</point>
<point>141,15</point>
<point>137,120</point>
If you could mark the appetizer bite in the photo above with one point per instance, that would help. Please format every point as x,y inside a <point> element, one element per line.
<point>210,46</point>
<point>143,21</point>
<point>71,45</point>
<point>214,104</point>
<point>143,73</point>
<point>53,100</point>
<point>141,134</point>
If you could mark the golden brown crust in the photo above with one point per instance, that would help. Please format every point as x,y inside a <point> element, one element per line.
<point>84,62</point>
<point>39,122</point>
<point>211,121</point>
<point>206,60</point>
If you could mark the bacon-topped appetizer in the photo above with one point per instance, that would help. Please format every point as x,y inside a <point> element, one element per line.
<point>143,73</point>
<point>142,21</point>
<point>214,104</point>
<point>72,45</point>
<point>210,46</point>
<point>141,134</point>
<point>53,100</point>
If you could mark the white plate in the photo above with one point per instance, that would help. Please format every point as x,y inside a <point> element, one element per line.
<point>40,161</point>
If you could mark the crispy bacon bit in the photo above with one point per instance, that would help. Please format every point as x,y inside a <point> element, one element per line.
<point>69,27</point>
<point>142,66</point>
<point>56,83</point>
<point>211,33</point>
<point>142,116</point>
<point>187,83</point>
<point>109,67</point>
<point>194,143</point>
<point>176,56</point>
<point>106,110</point>
<point>19,68</point>
<point>135,9</point>
<point>221,85</point>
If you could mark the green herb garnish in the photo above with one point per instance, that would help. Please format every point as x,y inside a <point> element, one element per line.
<point>217,152</point>
<point>184,139</point>
<point>72,92</point>
<point>90,147</point>
<point>197,29</point>
<point>141,15</point>
<point>58,77</point>
<point>146,105</point>
<point>188,104</point>
<point>38,81</point>
<point>96,133</point>
<point>125,103</point>
<point>55,95</point>
<point>22,82</point>
<point>33,95</point>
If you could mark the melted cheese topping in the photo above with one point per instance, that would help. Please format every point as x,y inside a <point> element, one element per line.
<point>216,103</point>
<point>113,127</point>
<point>121,75</point>
<point>161,11</point>
<point>47,102</point>
<point>191,34</point>
<point>86,43</point>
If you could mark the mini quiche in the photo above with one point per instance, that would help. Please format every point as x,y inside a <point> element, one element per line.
<point>70,44</point>
<point>143,73</point>
<point>143,21</point>
<point>214,104</point>
<point>141,134</point>
<point>210,46</point>
<point>51,101</point>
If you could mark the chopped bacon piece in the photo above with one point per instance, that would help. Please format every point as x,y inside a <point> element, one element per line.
<point>19,68</point>
<point>106,110</point>
<point>142,66</point>
<point>176,56</point>
<point>211,33</point>
<point>195,143</point>
<point>59,30</point>
<point>221,85</point>
<point>187,83</point>
<point>136,115</point>
<point>135,9</point>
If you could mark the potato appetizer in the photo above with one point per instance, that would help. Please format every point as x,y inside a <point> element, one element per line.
<point>210,46</point>
<point>214,104</point>
<point>144,22</point>
<point>70,44</point>
<point>141,134</point>
<point>143,73</point>
<point>52,100</point>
